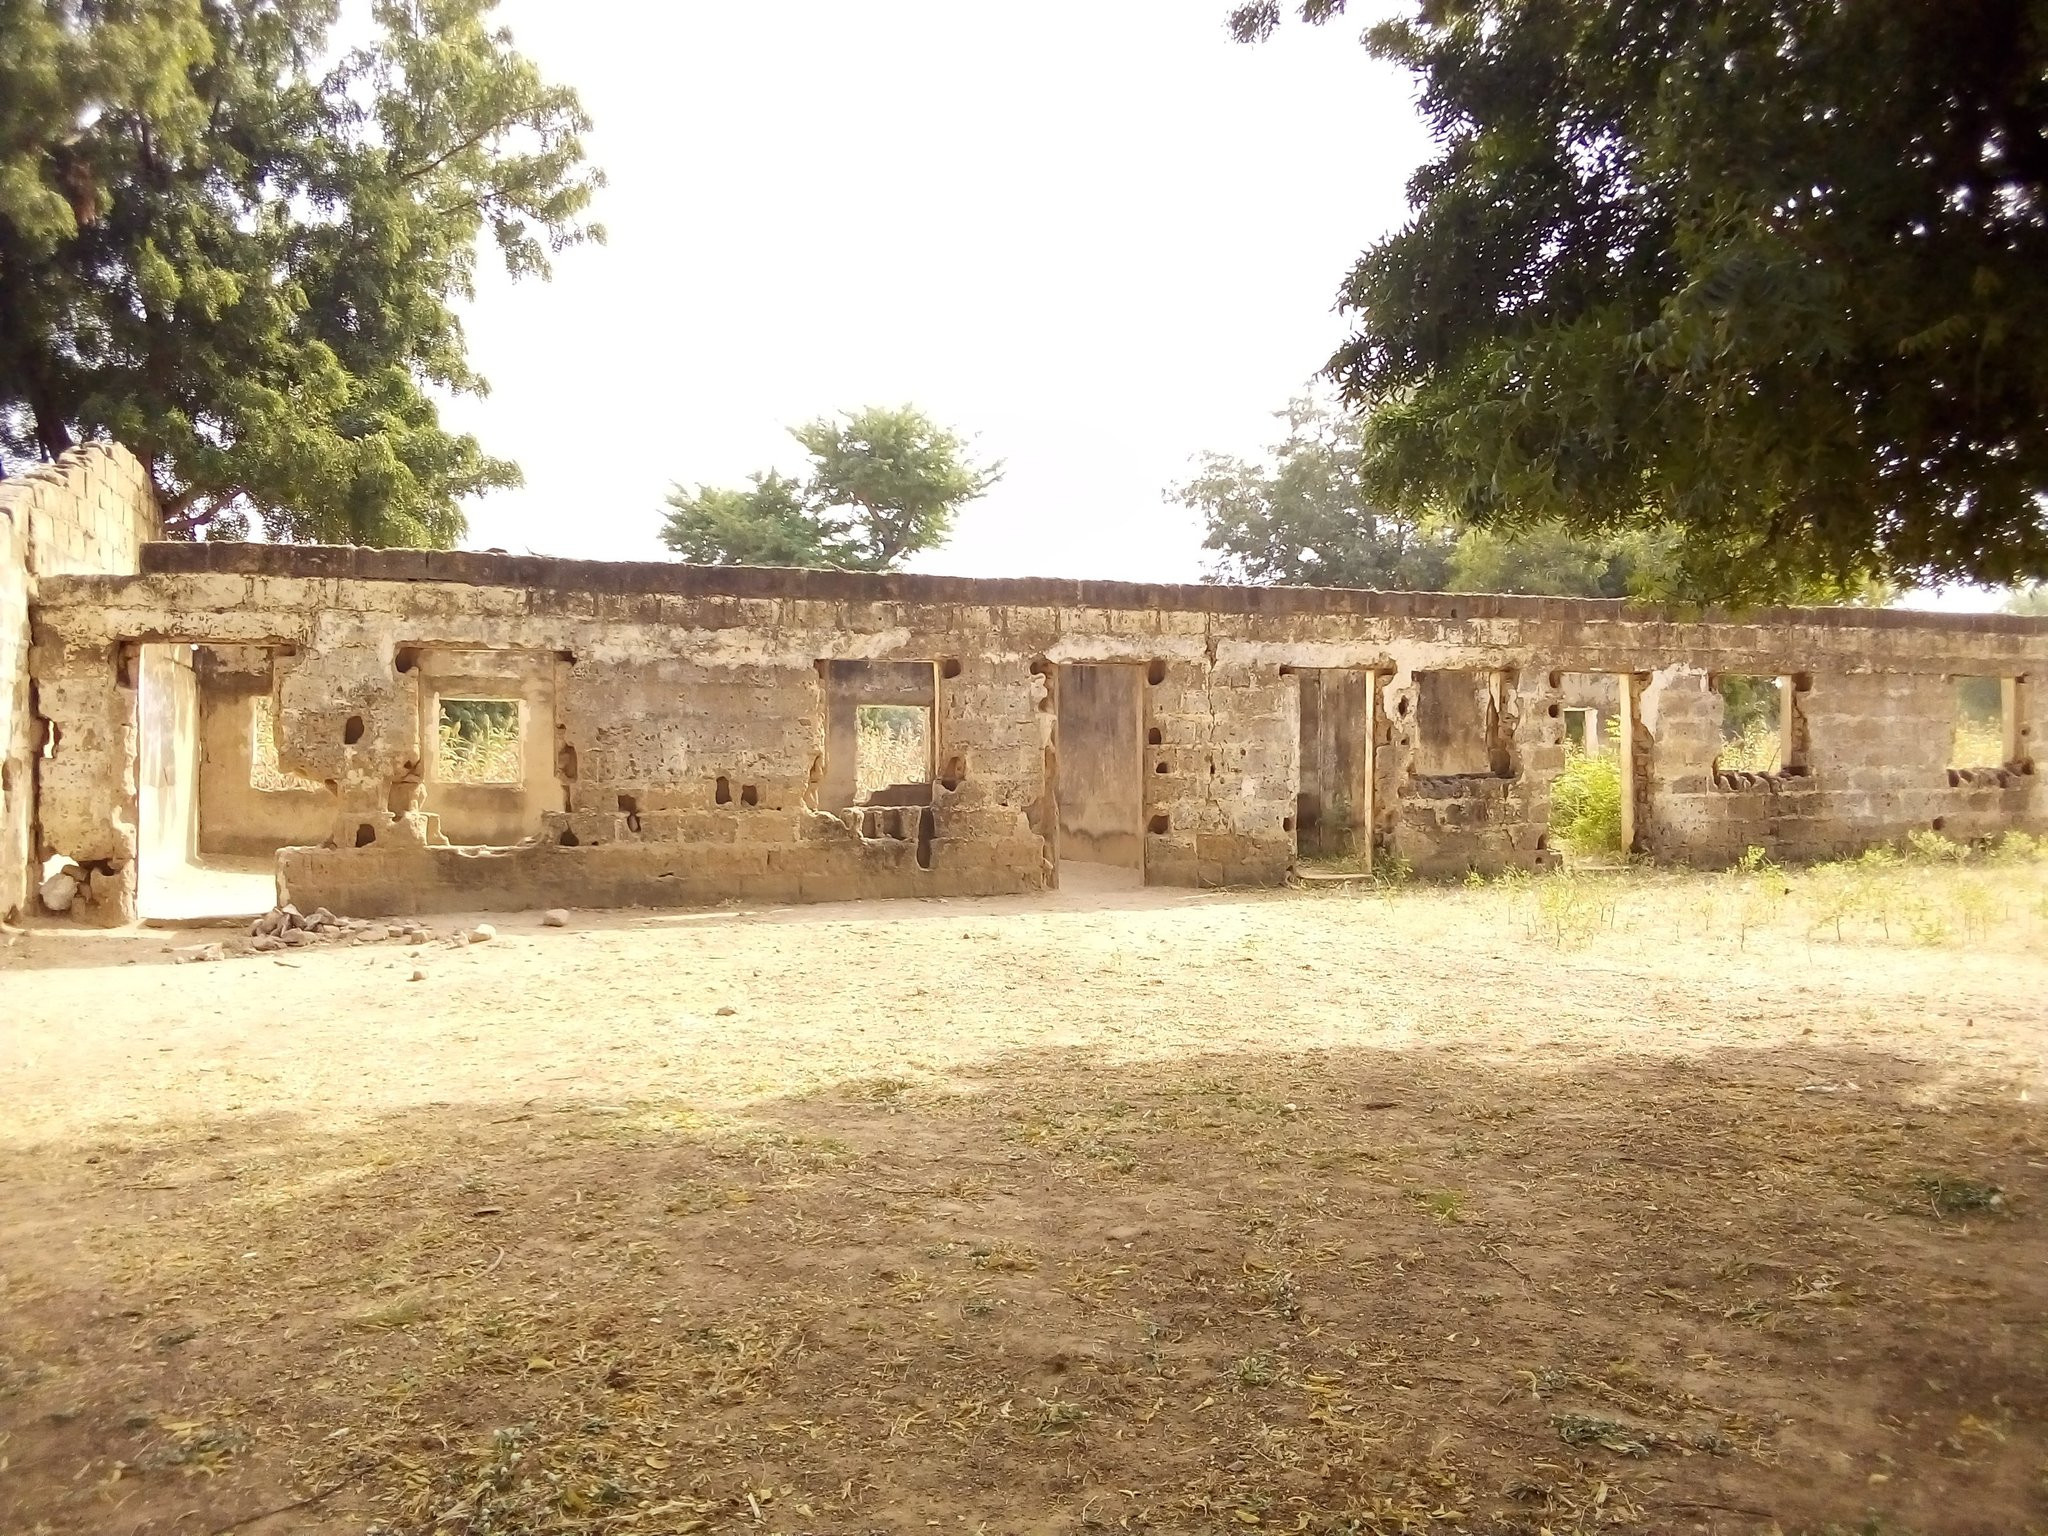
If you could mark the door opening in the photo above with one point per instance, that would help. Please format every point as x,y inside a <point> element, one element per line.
<point>1101,783</point>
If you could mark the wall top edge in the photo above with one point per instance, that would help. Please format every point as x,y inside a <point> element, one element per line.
<point>674,579</point>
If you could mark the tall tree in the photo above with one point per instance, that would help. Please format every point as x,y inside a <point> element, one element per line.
<point>883,485</point>
<point>1774,272</point>
<point>238,250</point>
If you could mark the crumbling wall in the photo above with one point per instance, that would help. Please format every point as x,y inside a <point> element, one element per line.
<point>688,759</point>
<point>88,513</point>
<point>19,734</point>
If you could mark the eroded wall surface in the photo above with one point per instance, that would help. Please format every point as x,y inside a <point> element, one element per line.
<point>89,512</point>
<point>679,742</point>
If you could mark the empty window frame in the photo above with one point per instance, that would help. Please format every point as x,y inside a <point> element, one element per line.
<point>1582,730</point>
<point>1760,729</point>
<point>1984,720</point>
<point>264,773</point>
<point>881,732</point>
<point>479,741</point>
<point>1459,731</point>
<point>892,745</point>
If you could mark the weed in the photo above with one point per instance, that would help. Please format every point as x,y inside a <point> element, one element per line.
<point>1253,1371</point>
<point>1585,802</point>
<point>1446,1205</point>
<point>1959,1197</point>
<point>1581,1429</point>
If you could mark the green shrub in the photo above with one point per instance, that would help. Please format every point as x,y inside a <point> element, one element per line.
<point>1585,802</point>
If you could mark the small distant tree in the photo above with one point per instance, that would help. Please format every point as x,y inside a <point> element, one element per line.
<point>883,485</point>
<point>1300,515</point>
<point>2029,600</point>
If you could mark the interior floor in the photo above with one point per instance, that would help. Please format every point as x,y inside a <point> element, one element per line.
<point>216,887</point>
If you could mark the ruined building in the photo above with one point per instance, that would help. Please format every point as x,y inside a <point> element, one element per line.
<point>399,731</point>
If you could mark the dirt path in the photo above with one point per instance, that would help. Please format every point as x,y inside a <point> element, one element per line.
<point>1647,1205</point>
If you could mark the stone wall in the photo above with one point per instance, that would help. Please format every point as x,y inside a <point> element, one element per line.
<point>89,512</point>
<point>678,742</point>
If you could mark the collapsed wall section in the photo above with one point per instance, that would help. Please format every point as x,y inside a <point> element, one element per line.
<point>469,731</point>
<point>87,513</point>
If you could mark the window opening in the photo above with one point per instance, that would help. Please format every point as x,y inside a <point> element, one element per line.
<point>479,741</point>
<point>1980,739</point>
<point>892,745</point>
<point>1752,725</point>
<point>264,772</point>
<point>1582,731</point>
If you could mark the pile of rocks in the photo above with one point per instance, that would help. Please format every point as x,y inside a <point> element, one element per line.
<point>288,927</point>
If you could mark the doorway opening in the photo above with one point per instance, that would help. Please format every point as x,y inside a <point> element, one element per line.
<point>181,876</point>
<point>1100,787</point>
<point>1333,807</point>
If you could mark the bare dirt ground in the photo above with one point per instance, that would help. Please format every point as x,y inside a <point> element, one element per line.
<point>1665,1203</point>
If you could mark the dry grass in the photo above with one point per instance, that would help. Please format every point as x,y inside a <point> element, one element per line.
<point>1648,1202</point>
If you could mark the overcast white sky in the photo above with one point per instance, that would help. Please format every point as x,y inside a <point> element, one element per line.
<point>1095,235</point>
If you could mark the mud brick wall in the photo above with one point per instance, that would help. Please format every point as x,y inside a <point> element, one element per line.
<point>679,754</point>
<point>89,512</point>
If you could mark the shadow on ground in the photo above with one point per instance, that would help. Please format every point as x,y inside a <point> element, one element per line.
<point>1329,1291</point>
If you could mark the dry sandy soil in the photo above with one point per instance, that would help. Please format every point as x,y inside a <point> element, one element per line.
<point>1664,1203</point>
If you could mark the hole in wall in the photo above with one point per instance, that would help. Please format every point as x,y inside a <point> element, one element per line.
<point>568,839</point>
<point>1543,842</point>
<point>1286,671</point>
<point>52,734</point>
<point>1401,709</point>
<point>1153,738</point>
<point>1556,680</point>
<point>365,835</point>
<point>721,792</point>
<point>1556,710</point>
<point>924,837</point>
<point>406,658</point>
<point>567,658</point>
<point>1155,674</point>
<point>565,762</point>
<point>629,805</point>
<point>749,795</point>
<point>950,667</point>
<point>1160,766</point>
<point>1286,823</point>
<point>124,666</point>
<point>352,731</point>
<point>1941,823</point>
<point>1161,824</point>
<point>956,770</point>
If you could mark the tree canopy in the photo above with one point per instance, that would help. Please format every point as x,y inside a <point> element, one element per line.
<point>1771,273</point>
<point>883,485</point>
<point>1303,515</point>
<point>237,248</point>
